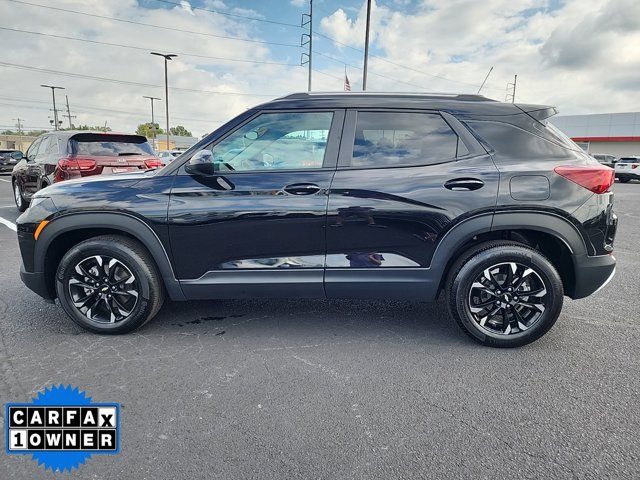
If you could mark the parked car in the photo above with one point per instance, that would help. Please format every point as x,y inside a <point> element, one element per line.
<point>606,159</point>
<point>169,155</point>
<point>57,156</point>
<point>9,159</point>
<point>381,196</point>
<point>627,169</point>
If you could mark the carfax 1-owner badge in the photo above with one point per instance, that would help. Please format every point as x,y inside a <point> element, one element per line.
<point>61,428</point>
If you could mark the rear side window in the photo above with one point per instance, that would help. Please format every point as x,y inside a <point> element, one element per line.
<point>392,139</point>
<point>106,145</point>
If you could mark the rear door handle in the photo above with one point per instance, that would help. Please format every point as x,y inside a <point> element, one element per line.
<point>302,188</point>
<point>464,184</point>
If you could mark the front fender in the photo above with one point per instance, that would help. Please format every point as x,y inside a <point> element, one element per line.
<point>117,221</point>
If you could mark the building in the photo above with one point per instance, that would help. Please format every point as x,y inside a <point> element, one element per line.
<point>16,142</point>
<point>613,133</point>
<point>175,142</point>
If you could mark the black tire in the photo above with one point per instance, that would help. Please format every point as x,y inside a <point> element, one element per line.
<point>496,254</point>
<point>624,180</point>
<point>132,259</point>
<point>21,203</point>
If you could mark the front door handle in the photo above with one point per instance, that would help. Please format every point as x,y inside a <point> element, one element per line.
<point>302,188</point>
<point>464,184</point>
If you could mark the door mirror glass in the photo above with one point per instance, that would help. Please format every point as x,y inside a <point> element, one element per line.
<point>17,155</point>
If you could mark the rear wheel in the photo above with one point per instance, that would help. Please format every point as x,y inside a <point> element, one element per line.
<point>109,284</point>
<point>504,294</point>
<point>21,202</point>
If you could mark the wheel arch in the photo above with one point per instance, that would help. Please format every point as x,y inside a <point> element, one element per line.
<point>68,230</point>
<point>552,235</point>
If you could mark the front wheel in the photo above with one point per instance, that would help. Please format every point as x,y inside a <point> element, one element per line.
<point>504,294</point>
<point>624,180</point>
<point>109,284</point>
<point>21,203</point>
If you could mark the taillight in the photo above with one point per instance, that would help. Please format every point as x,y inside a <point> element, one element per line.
<point>73,167</point>
<point>153,163</point>
<point>596,178</point>
<point>635,166</point>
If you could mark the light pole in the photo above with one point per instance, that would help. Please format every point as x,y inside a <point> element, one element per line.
<point>153,120</point>
<point>167,57</point>
<point>366,47</point>
<point>55,111</point>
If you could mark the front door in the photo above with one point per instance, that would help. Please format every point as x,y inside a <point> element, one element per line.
<point>256,225</point>
<point>403,179</point>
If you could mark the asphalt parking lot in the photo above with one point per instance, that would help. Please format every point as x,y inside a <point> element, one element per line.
<point>341,389</point>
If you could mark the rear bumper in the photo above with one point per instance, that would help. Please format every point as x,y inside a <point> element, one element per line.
<point>35,282</point>
<point>592,273</point>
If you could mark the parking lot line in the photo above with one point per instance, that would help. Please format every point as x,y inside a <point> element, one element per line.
<point>5,180</point>
<point>9,224</point>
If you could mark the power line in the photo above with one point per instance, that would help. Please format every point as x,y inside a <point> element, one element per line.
<point>233,15</point>
<point>115,19</point>
<point>126,82</point>
<point>145,49</point>
<point>82,109</point>
<point>372,73</point>
<point>442,77</point>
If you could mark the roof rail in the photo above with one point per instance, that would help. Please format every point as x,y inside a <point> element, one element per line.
<point>455,96</point>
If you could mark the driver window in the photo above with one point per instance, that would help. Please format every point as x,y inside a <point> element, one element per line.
<point>275,141</point>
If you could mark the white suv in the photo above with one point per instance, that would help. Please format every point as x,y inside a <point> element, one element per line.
<point>628,168</point>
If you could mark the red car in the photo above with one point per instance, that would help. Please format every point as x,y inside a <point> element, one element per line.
<point>57,156</point>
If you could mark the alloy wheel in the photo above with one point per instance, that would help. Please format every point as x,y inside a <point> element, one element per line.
<point>103,289</point>
<point>507,298</point>
<point>17,194</point>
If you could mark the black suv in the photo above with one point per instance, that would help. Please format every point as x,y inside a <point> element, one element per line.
<point>381,196</point>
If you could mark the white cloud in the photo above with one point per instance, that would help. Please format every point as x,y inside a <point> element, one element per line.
<point>298,3</point>
<point>582,56</point>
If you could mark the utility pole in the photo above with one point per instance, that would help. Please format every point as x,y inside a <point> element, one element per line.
<point>366,47</point>
<point>307,19</point>
<point>167,57</point>
<point>55,111</point>
<point>511,86</point>
<point>19,124</point>
<point>153,120</point>
<point>485,80</point>
<point>68,115</point>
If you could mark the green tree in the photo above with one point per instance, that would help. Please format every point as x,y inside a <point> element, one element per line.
<point>88,127</point>
<point>180,131</point>
<point>147,129</point>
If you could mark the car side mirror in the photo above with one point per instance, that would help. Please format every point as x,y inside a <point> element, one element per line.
<point>17,155</point>
<point>201,164</point>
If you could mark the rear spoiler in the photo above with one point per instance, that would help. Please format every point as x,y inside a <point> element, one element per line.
<point>537,112</point>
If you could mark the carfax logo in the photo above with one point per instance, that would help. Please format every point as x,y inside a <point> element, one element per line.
<point>61,428</point>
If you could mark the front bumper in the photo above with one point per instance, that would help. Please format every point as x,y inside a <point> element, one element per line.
<point>35,281</point>
<point>592,273</point>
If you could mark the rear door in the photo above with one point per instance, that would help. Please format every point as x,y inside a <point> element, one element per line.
<point>256,226</point>
<point>404,178</point>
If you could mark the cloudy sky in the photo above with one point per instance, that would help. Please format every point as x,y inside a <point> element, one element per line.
<point>580,55</point>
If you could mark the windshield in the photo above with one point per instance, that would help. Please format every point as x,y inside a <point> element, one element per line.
<point>105,145</point>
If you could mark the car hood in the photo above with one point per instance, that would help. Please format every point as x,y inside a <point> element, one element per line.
<point>94,183</point>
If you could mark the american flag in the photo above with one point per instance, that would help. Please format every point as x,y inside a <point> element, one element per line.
<point>347,85</point>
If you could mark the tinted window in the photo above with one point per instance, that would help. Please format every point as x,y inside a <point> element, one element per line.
<point>44,144</point>
<point>33,149</point>
<point>53,146</point>
<point>275,141</point>
<point>397,139</point>
<point>106,145</point>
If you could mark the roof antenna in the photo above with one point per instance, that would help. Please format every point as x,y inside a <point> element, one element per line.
<point>485,80</point>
